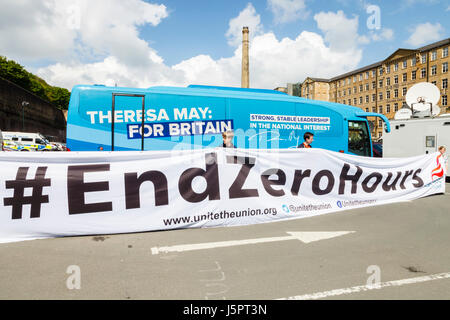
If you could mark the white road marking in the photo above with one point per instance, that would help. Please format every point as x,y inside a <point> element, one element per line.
<point>395,283</point>
<point>305,237</point>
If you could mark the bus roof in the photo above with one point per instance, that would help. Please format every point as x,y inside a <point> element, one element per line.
<point>228,92</point>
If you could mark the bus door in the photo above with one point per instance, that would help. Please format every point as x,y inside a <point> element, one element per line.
<point>127,115</point>
<point>359,138</point>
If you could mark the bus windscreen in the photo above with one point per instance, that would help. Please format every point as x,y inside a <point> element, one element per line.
<point>358,138</point>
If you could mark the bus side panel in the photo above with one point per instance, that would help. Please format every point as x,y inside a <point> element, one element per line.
<point>330,134</point>
<point>195,122</point>
<point>189,121</point>
<point>257,126</point>
<point>88,125</point>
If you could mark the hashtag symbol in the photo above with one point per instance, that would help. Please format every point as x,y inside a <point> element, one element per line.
<point>18,200</point>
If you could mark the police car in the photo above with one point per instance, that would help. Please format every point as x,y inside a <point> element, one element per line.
<point>28,141</point>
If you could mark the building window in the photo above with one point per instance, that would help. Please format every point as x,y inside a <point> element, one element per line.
<point>380,122</point>
<point>349,91</point>
<point>348,81</point>
<point>396,66</point>
<point>405,64</point>
<point>374,73</point>
<point>380,95</point>
<point>388,81</point>
<point>413,75</point>
<point>424,58</point>
<point>354,89</point>
<point>433,70</point>
<point>380,71</point>
<point>413,62</point>
<point>388,94</point>
<point>388,108</point>
<point>367,87</point>
<point>445,52</point>
<point>404,91</point>
<point>423,73</point>
<point>367,99</point>
<point>388,69</point>
<point>405,77</point>
<point>349,102</point>
<point>360,100</point>
<point>367,74</point>
<point>445,67</point>
<point>444,100</point>
<point>360,77</point>
<point>367,109</point>
<point>395,107</point>
<point>374,97</point>
<point>395,79</point>
<point>380,109</point>
<point>444,83</point>
<point>374,85</point>
<point>360,88</point>
<point>343,92</point>
<point>354,79</point>
<point>404,105</point>
<point>380,84</point>
<point>433,55</point>
<point>395,93</point>
<point>374,110</point>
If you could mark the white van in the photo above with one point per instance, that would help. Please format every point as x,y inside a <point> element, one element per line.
<point>35,141</point>
<point>1,141</point>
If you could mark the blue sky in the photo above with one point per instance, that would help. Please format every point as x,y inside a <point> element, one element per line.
<point>140,43</point>
<point>199,26</point>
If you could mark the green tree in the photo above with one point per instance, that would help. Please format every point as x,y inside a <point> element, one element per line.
<point>17,74</point>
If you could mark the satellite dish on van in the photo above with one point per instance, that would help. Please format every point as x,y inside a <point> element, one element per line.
<point>403,114</point>
<point>423,96</point>
<point>436,111</point>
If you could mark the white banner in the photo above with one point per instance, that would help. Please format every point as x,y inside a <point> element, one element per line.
<point>90,193</point>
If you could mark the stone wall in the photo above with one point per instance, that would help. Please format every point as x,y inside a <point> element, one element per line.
<point>39,116</point>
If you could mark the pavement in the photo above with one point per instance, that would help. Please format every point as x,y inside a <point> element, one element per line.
<point>403,247</point>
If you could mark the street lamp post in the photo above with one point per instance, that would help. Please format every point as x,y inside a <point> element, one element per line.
<point>24,104</point>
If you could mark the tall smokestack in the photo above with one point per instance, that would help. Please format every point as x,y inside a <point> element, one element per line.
<point>245,80</point>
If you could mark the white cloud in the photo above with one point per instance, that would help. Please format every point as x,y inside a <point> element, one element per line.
<point>385,34</point>
<point>340,32</point>
<point>273,61</point>
<point>65,29</point>
<point>288,10</point>
<point>425,33</point>
<point>246,18</point>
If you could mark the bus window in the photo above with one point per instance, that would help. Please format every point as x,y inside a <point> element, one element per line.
<point>358,138</point>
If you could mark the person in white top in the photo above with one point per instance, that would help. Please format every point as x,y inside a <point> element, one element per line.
<point>444,156</point>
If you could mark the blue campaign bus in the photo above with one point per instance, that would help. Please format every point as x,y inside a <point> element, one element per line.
<point>166,118</point>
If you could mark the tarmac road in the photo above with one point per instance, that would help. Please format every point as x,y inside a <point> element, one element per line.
<point>408,243</point>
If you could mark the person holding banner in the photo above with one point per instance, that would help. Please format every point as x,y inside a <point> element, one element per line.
<point>227,139</point>
<point>309,138</point>
<point>444,158</point>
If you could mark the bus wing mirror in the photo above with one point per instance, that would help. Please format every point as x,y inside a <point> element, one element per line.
<point>387,125</point>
